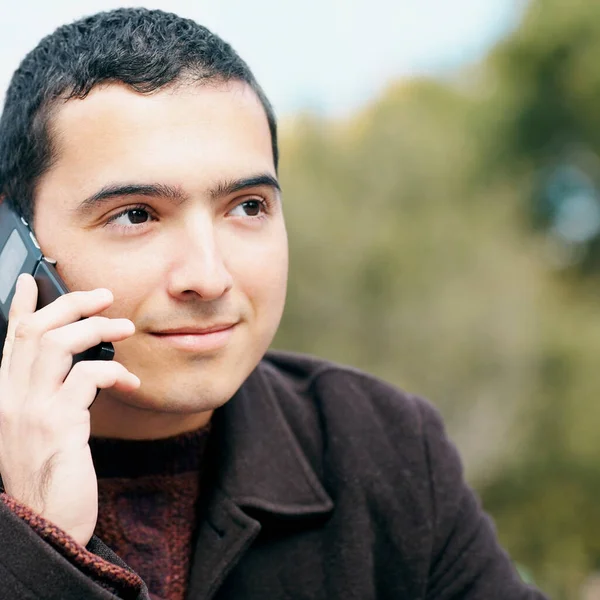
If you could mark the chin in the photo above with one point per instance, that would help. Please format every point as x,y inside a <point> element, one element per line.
<point>181,399</point>
<point>188,383</point>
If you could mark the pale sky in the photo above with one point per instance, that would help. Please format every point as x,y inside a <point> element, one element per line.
<point>331,56</point>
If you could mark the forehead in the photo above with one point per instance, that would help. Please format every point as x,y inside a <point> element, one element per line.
<point>189,135</point>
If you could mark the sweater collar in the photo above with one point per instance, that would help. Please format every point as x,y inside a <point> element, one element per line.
<point>140,458</point>
<point>258,460</point>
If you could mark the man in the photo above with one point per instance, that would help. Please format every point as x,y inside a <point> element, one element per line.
<point>144,154</point>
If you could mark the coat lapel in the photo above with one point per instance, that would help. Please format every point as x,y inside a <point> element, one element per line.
<point>257,464</point>
<point>224,534</point>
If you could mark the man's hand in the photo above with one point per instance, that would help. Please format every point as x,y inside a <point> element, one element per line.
<point>45,459</point>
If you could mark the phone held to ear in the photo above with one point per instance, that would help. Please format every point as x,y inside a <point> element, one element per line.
<point>20,253</point>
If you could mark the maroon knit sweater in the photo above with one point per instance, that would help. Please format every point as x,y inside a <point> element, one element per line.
<point>148,492</point>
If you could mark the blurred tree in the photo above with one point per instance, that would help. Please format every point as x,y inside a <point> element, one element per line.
<point>398,268</point>
<point>545,86</point>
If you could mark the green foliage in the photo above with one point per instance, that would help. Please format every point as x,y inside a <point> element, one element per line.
<point>416,254</point>
<point>546,87</point>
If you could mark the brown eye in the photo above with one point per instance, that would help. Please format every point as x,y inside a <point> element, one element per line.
<point>249,208</point>
<point>252,208</point>
<point>137,216</point>
<point>131,217</point>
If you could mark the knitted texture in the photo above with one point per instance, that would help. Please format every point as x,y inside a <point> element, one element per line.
<point>149,523</point>
<point>119,581</point>
<point>147,506</point>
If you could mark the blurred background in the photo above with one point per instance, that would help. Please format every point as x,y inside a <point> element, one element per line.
<point>441,176</point>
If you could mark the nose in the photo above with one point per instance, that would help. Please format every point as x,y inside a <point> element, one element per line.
<point>199,268</point>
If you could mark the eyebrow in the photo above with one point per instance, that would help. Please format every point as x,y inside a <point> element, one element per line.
<point>226,188</point>
<point>173,193</point>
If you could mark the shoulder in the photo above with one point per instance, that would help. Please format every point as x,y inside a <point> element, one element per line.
<point>359,415</point>
<point>377,449</point>
<point>342,391</point>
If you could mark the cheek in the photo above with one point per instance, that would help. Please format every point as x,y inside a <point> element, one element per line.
<point>260,269</point>
<point>129,280</point>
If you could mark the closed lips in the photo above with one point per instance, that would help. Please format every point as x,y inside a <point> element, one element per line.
<point>195,330</point>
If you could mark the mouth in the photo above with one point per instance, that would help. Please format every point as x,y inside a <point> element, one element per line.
<point>196,330</point>
<point>197,339</point>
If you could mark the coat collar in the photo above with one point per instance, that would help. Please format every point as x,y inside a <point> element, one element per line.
<point>260,463</point>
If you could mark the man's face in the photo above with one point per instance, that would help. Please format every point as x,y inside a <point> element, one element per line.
<point>167,200</point>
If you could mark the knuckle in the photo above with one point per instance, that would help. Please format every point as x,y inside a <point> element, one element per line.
<point>51,339</point>
<point>83,370</point>
<point>98,323</point>
<point>91,370</point>
<point>97,373</point>
<point>78,297</point>
<point>81,298</point>
<point>71,301</point>
<point>113,370</point>
<point>27,328</point>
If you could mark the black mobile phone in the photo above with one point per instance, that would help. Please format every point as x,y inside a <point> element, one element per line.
<point>21,253</point>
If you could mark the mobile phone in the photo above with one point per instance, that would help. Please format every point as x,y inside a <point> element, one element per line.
<point>21,253</point>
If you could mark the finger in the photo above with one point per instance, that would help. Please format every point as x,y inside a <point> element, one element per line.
<point>87,376</point>
<point>31,327</point>
<point>57,347</point>
<point>71,307</point>
<point>23,303</point>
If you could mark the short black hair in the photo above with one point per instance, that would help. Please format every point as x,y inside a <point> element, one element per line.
<point>144,49</point>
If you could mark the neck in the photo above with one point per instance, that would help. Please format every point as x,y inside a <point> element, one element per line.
<point>112,418</point>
